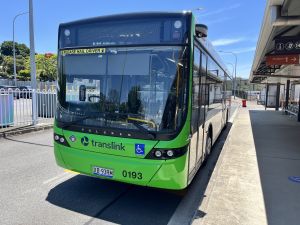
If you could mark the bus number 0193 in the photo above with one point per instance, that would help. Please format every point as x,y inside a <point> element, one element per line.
<point>132,174</point>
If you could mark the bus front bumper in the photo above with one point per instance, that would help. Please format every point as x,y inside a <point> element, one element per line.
<point>167,174</point>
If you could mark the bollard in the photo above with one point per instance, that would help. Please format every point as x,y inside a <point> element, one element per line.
<point>244,103</point>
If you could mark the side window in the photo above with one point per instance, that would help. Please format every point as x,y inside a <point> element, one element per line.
<point>203,89</point>
<point>215,82</point>
<point>223,78</point>
<point>196,89</point>
<point>218,97</point>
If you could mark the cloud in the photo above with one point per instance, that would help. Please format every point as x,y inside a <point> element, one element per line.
<point>226,41</point>
<point>245,50</point>
<point>240,50</point>
<point>219,11</point>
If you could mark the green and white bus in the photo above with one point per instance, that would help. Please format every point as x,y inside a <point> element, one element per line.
<point>141,98</point>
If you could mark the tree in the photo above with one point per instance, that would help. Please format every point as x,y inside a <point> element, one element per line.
<point>46,63</point>
<point>7,49</point>
<point>46,66</point>
<point>23,50</point>
<point>8,65</point>
<point>24,75</point>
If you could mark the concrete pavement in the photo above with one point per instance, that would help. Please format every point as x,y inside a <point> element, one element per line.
<point>34,190</point>
<point>250,183</point>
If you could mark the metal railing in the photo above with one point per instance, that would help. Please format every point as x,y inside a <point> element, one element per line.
<point>40,84</point>
<point>16,107</point>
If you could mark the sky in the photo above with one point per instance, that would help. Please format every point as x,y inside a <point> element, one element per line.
<point>233,25</point>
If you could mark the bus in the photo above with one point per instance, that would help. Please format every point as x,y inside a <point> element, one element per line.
<point>140,98</point>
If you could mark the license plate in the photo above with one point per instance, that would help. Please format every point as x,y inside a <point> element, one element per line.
<point>103,172</point>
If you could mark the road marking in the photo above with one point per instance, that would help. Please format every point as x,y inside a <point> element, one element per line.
<point>70,171</point>
<point>62,179</point>
<point>61,176</point>
<point>55,178</point>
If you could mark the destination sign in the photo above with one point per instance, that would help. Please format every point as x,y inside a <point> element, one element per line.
<point>80,51</point>
<point>282,59</point>
<point>290,45</point>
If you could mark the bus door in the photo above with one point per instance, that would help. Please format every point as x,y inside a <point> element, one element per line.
<point>223,95</point>
<point>203,104</point>
<point>195,113</point>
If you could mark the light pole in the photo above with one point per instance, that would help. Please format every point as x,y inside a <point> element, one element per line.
<point>232,73</point>
<point>32,64</point>
<point>234,83</point>
<point>14,45</point>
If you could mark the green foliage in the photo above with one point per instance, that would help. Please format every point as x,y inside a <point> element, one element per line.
<point>46,64</point>
<point>46,67</point>
<point>8,64</point>
<point>3,75</point>
<point>23,50</point>
<point>6,49</point>
<point>6,58</point>
<point>24,75</point>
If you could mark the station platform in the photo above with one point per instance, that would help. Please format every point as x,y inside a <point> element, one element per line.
<point>253,181</point>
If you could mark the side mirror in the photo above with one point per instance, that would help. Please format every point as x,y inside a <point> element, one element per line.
<point>82,93</point>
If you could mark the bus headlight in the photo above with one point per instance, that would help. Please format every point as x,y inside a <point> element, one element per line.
<point>60,139</point>
<point>170,153</point>
<point>158,153</point>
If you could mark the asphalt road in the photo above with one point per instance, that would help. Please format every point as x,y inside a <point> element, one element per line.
<point>34,190</point>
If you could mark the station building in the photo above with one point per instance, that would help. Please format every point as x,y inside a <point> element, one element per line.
<point>276,62</point>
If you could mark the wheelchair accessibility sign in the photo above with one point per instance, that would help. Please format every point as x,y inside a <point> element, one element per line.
<point>140,149</point>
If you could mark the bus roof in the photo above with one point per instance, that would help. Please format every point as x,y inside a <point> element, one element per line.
<point>128,16</point>
<point>205,43</point>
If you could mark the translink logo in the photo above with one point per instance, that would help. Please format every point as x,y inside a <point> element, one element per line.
<point>109,145</point>
<point>85,141</point>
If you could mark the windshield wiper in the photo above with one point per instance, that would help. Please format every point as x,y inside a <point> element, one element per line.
<point>142,129</point>
<point>77,121</point>
<point>134,122</point>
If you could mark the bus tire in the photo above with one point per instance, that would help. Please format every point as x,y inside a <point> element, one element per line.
<point>208,145</point>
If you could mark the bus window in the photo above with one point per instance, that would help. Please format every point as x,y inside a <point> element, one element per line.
<point>196,89</point>
<point>215,83</point>
<point>203,99</point>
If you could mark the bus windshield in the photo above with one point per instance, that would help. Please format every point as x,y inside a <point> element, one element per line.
<point>123,87</point>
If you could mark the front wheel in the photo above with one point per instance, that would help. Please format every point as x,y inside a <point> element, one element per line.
<point>208,145</point>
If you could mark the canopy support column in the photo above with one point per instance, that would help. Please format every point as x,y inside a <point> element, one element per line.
<point>277,96</point>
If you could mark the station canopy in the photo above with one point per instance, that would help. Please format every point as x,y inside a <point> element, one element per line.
<point>278,48</point>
